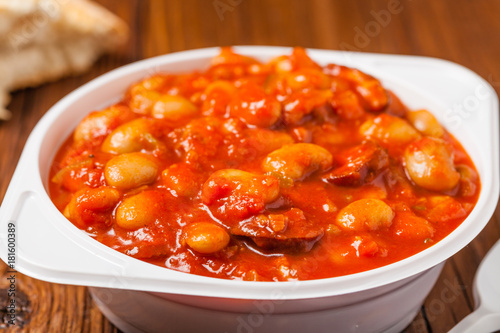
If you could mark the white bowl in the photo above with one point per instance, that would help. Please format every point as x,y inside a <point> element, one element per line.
<point>50,248</point>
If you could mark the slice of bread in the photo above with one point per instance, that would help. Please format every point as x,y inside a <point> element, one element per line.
<point>44,40</point>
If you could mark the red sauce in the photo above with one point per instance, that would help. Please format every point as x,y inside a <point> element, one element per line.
<point>278,171</point>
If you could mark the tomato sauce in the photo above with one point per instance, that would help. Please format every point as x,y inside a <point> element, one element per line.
<point>274,171</point>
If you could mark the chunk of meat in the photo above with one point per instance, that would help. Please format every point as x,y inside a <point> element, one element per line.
<point>398,184</point>
<point>358,163</point>
<point>302,103</point>
<point>289,231</point>
<point>468,180</point>
<point>396,107</point>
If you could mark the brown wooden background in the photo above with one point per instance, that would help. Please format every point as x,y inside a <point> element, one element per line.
<point>463,31</point>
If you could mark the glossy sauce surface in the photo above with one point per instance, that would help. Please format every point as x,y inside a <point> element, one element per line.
<point>278,171</point>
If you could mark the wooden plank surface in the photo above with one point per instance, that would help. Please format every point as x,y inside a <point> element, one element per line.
<point>463,31</point>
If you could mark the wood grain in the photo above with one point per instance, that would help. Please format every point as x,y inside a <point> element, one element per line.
<point>462,31</point>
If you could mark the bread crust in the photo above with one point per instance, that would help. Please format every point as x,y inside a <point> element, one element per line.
<point>44,40</point>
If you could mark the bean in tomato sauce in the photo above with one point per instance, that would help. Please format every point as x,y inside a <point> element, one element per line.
<point>285,170</point>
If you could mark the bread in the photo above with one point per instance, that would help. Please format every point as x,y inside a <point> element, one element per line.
<point>44,40</point>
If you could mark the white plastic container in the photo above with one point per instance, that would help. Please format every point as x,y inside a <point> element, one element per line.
<point>138,296</point>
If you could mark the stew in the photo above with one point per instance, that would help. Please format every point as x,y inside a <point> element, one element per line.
<point>276,171</point>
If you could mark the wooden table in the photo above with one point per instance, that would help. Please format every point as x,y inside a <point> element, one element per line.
<point>462,31</point>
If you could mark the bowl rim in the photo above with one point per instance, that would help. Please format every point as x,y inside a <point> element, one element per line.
<point>27,195</point>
